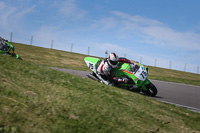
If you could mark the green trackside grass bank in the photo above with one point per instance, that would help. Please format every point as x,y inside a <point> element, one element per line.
<point>63,59</point>
<point>35,98</point>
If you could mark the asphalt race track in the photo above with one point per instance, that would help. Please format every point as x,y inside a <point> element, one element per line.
<point>187,96</point>
<point>180,94</point>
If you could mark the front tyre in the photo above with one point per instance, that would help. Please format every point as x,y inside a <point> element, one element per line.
<point>151,90</point>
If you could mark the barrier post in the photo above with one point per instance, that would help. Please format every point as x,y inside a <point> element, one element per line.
<point>51,44</point>
<point>31,42</point>
<point>11,35</point>
<point>71,47</point>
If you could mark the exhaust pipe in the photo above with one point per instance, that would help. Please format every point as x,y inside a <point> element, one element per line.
<point>91,76</point>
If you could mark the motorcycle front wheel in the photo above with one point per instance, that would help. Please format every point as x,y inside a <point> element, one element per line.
<point>151,90</point>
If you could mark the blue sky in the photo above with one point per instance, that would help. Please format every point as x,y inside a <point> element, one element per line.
<point>162,30</point>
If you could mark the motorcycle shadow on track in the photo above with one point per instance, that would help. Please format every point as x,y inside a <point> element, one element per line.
<point>137,91</point>
<point>158,97</point>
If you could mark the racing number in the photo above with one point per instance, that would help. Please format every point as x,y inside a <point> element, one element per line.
<point>11,51</point>
<point>91,66</point>
<point>143,74</point>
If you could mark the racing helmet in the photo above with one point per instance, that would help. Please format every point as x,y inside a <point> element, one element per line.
<point>113,60</point>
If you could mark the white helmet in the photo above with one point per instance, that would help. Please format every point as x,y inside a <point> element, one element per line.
<point>113,60</point>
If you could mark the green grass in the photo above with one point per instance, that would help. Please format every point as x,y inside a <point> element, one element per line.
<point>35,98</point>
<point>63,59</point>
<point>174,76</point>
<point>51,57</point>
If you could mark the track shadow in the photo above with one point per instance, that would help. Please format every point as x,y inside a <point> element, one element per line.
<point>139,92</point>
<point>158,97</point>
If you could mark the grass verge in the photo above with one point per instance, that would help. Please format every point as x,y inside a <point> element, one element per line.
<point>63,59</point>
<point>37,99</point>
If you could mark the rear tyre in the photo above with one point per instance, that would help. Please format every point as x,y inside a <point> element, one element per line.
<point>151,90</point>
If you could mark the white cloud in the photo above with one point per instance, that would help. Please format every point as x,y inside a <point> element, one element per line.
<point>5,15</point>
<point>170,37</point>
<point>46,34</point>
<point>11,17</point>
<point>22,13</point>
<point>69,9</point>
<point>139,20</point>
<point>120,50</point>
<point>109,46</point>
<point>105,24</point>
<point>149,31</point>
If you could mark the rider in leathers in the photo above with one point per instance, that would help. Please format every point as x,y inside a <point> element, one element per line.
<point>5,48</point>
<point>105,66</point>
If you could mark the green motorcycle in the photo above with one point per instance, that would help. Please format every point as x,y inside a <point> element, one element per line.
<point>137,76</point>
<point>8,49</point>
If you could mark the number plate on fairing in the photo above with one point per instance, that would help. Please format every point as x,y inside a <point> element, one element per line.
<point>91,66</point>
<point>11,51</point>
<point>142,73</point>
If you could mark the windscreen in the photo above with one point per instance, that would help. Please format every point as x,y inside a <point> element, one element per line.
<point>134,68</point>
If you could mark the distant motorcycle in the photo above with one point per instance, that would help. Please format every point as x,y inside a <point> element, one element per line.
<point>137,77</point>
<point>7,48</point>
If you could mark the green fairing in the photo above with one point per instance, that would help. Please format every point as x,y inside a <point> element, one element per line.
<point>118,72</point>
<point>92,60</point>
<point>11,47</point>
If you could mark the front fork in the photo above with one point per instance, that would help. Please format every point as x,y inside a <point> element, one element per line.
<point>146,82</point>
